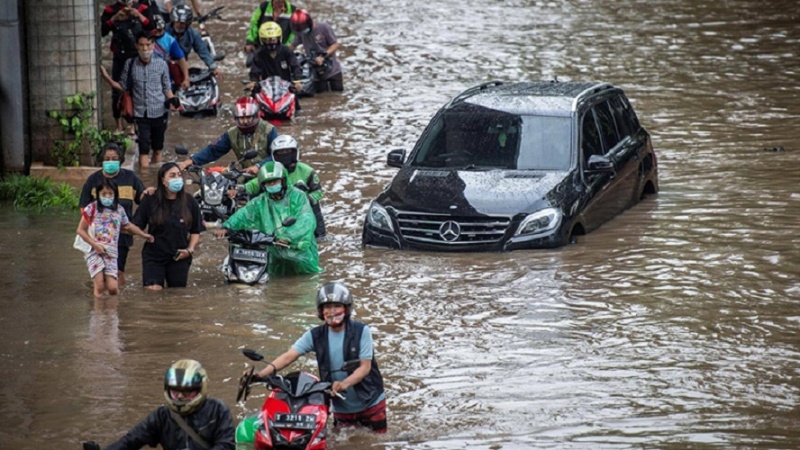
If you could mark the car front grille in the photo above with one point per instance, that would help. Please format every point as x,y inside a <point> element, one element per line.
<point>445,229</point>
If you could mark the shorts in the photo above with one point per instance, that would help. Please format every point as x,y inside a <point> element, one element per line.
<point>101,263</point>
<point>173,273</point>
<point>373,418</point>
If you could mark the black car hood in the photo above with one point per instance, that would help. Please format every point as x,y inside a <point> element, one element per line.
<point>470,192</point>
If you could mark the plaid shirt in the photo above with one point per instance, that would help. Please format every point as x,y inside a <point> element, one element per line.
<point>148,84</point>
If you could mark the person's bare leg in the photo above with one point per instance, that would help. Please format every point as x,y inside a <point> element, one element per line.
<point>111,283</point>
<point>156,157</point>
<point>144,161</point>
<point>154,287</point>
<point>121,278</point>
<point>99,285</point>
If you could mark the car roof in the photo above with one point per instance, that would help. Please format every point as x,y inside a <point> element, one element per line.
<point>539,97</point>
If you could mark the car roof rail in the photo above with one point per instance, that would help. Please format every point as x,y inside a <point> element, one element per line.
<point>469,92</point>
<point>589,91</point>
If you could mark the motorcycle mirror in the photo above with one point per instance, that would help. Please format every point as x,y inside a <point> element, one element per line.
<point>350,366</point>
<point>91,445</point>
<point>252,354</point>
<point>181,150</point>
<point>289,221</point>
<point>250,154</point>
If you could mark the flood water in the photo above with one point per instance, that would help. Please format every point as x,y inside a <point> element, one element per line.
<point>675,325</point>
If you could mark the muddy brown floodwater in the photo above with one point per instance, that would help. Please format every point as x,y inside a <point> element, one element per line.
<point>674,325</point>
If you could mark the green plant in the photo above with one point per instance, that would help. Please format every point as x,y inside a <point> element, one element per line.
<point>76,122</point>
<point>38,193</point>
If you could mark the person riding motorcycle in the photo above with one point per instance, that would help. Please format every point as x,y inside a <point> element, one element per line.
<point>301,176</point>
<point>279,11</point>
<point>186,394</point>
<point>296,250</point>
<point>250,132</point>
<point>189,38</point>
<point>274,58</point>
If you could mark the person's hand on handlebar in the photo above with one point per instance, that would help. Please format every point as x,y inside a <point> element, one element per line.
<point>220,233</point>
<point>252,170</point>
<point>183,165</point>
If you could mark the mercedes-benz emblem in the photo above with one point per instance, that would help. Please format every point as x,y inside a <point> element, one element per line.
<point>450,231</point>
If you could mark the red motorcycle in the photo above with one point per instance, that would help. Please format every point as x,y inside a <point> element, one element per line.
<point>276,97</point>
<point>295,414</point>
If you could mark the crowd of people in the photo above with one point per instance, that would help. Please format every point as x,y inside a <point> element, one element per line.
<point>150,43</point>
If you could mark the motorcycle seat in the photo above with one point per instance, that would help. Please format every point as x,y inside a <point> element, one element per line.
<point>198,76</point>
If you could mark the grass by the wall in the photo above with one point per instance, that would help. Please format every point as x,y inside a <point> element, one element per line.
<point>37,193</point>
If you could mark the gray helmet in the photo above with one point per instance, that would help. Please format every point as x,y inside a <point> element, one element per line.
<point>334,292</point>
<point>182,13</point>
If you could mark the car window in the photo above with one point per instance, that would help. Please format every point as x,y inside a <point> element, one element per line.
<point>623,108</point>
<point>590,137</point>
<point>475,137</point>
<point>605,123</point>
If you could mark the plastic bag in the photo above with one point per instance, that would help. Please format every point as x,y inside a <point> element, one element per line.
<point>81,245</point>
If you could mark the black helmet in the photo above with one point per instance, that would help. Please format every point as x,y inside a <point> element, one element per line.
<point>182,13</point>
<point>334,292</point>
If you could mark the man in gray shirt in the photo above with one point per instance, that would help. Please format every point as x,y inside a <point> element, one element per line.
<point>147,80</point>
<point>320,45</point>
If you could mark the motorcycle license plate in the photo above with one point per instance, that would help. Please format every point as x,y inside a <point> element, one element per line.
<point>297,421</point>
<point>246,254</point>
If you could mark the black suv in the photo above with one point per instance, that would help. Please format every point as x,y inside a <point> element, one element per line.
<point>522,165</point>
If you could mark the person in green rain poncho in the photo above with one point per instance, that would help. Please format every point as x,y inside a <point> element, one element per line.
<point>295,251</point>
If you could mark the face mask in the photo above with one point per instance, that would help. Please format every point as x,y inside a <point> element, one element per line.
<point>176,184</point>
<point>334,320</point>
<point>274,189</point>
<point>110,167</point>
<point>272,47</point>
<point>146,55</point>
<point>107,201</point>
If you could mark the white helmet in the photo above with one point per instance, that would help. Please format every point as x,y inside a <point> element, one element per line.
<point>289,154</point>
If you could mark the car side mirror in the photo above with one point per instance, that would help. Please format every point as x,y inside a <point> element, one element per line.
<point>396,158</point>
<point>599,164</point>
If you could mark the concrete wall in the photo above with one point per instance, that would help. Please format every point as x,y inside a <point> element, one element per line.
<point>61,42</point>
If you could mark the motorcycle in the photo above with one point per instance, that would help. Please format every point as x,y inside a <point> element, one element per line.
<point>203,94</point>
<point>309,76</point>
<point>294,415</point>
<point>275,96</point>
<point>248,256</point>
<point>215,183</point>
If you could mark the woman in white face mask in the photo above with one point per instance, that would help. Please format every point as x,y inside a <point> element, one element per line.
<point>173,217</point>
<point>147,80</point>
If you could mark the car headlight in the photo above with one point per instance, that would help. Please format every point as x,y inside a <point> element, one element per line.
<point>378,217</point>
<point>540,222</point>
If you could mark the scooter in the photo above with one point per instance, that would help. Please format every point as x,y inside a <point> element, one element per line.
<point>202,96</point>
<point>275,96</point>
<point>215,183</point>
<point>248,256</point>
<point>295,414</point>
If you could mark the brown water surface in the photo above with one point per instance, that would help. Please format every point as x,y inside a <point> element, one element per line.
<point>675,325</point>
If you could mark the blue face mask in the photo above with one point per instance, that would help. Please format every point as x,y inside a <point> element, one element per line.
<point>176,184</point>
<point>110,167</point>
<point>107,201</point>
<point>274,189</point>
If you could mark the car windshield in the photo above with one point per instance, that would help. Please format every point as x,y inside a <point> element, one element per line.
<point>473,137</point>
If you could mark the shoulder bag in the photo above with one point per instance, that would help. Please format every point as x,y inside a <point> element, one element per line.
<point>126,99</point>
<point>192,434</point>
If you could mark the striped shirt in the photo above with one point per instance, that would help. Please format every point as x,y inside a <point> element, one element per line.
<point>149,83</point>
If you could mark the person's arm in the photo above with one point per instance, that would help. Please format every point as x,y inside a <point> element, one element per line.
<point>224,430</point>
<point>252,32</point>
<point>106,20</point>
<point>83,232</point>
<point>201,48</point>
<point>185,70</point>
<point>303,229</point>
<point>142,15</point>
<point>196,8</point>
<point>107,78</point>
<point>212,152</point>
<point>354,378</point>
<point>252,187</point>
<point>315,191</point>
<point>138,189</point>
<point>279,363</point>
<point>144,433</point>
<point>332,49</point>
<point>165,83</point>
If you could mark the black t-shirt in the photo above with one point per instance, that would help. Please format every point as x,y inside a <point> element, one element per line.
<point>130,191</point>
<point>170,236</point>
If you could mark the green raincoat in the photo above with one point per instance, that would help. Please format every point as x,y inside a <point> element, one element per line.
<point>266,215</point>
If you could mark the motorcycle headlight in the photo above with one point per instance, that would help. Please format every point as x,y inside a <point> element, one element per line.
<point>249,275</point>
<point>540,222</point>
<point>378,217</point>
<point>213,196</point>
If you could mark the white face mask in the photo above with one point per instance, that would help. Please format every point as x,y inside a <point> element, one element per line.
<point>146,55</point>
